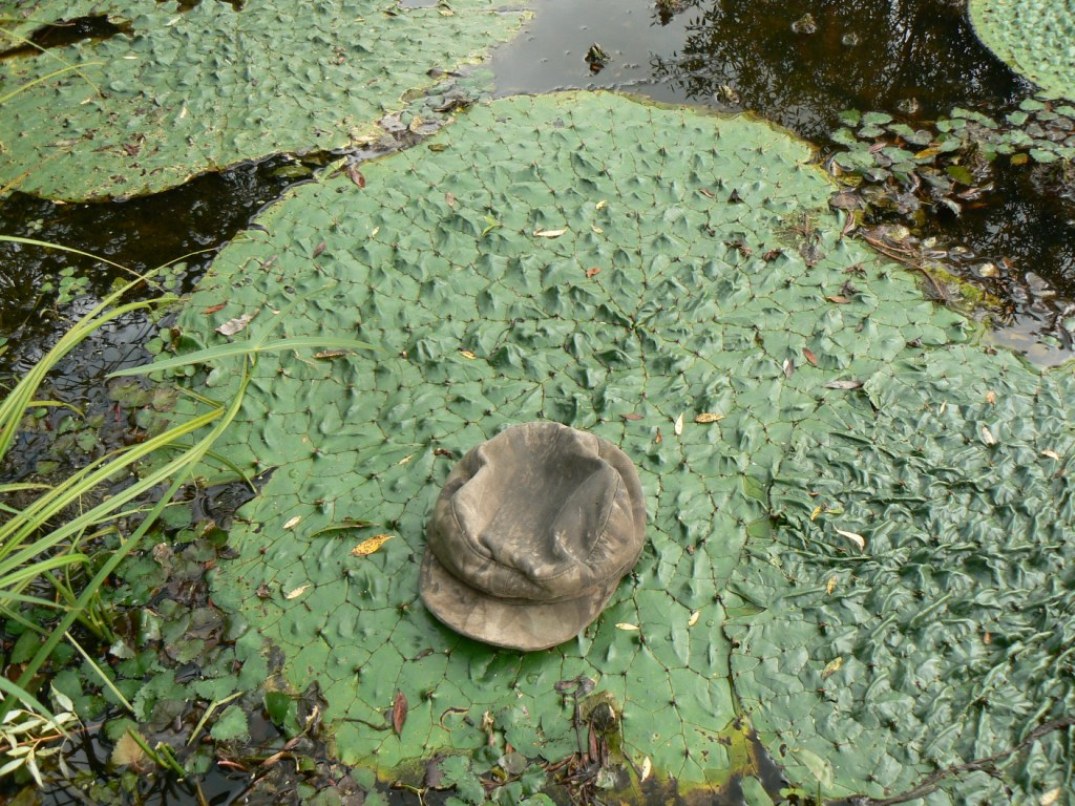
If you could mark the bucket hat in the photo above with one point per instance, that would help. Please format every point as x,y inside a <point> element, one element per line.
<point>531,535</point>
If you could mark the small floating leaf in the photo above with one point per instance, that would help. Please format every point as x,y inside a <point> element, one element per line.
<point>549,233</point>
<point>707,417</point>
<point>623,625</point>
<point>292,522</point>
<point>297,592</point>
<point>832,667</point>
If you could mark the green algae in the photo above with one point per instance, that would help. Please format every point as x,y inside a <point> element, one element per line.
<point>191,91</point>
<point>860,549</point>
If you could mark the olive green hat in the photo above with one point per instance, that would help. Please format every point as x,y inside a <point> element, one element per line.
<point>531,535</point>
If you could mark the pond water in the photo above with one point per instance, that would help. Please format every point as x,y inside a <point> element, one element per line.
<point>797,63</point>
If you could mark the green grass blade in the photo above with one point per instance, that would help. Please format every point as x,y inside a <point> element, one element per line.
<point>109,566</point>
<point>14,534</point>
<point>100,673</point>
<point>28,700</point>
<point>244,348</point>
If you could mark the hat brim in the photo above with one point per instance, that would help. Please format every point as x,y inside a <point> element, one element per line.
<point>516,624</point>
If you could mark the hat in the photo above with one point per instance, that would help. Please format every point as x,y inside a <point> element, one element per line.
<point>531,535</point>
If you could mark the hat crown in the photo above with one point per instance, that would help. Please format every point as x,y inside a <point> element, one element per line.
<point>541,512</point>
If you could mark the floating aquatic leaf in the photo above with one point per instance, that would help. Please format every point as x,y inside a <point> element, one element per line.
<point>128,752</point>
<point>266,85</point>
<point>730,507</point>
<point>367,547</point>
<point>1033,36</point>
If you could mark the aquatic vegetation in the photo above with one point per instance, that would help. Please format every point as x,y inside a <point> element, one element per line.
<point>60,541</point>
<point>181,92</point>
<point>838,477</point>
<point>1034,38</point>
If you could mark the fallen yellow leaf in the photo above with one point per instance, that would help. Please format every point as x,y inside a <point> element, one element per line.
<point>832,667</point>
<point>367,547</point>
<point>297,592</point>
<point>707,417</point>
<point>293,522</point>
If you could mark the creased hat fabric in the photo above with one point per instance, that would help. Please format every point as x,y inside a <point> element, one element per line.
<point>531,535</point>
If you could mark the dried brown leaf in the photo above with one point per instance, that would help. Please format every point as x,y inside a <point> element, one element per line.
<point>808,354</point>
<point>399,713</point>
<point>707,417</point>
<point>236,325</point>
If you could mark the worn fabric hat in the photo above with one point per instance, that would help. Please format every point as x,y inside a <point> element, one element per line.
<point>531,535</point>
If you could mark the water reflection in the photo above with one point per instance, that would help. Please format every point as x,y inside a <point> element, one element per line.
<point>800,62</point>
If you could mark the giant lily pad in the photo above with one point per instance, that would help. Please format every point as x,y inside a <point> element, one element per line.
<point>186,92</point>
<point>1033,36</point>
<point>846,496</point>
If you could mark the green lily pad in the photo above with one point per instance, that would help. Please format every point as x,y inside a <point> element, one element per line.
<point>1033,36</point>
<point>186,92</point>
<point>629,287</point>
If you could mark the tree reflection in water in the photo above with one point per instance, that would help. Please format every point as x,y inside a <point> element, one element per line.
<point>916,57</point>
